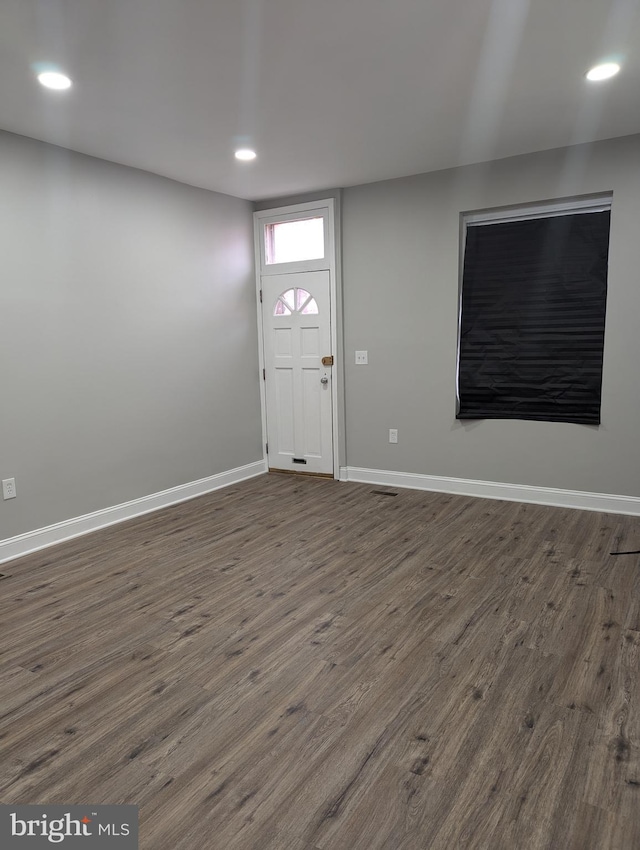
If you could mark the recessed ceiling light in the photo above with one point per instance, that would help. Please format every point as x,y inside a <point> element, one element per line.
<point>245,154</point>
<point>603,72</point>
<point>54,80</point>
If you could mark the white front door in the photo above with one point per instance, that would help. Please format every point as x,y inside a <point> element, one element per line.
<point>296,320</point>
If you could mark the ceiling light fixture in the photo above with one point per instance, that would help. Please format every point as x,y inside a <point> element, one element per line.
<point>245,154</point>
<point>603,72</point>
<point>54,80</point>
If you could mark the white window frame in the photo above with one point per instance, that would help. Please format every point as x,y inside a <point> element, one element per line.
<point>600,203</point>
<point>296,212</point>
<point>293,212</point>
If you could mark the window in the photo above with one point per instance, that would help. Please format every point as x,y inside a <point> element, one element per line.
<point>532,317</point>
<point>294,241</point>
<point>296,238</point>
<point>296,300</point>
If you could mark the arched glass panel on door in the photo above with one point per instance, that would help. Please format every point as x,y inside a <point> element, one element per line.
<point>295,300</point>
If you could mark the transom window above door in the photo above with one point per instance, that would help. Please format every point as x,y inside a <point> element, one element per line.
<point>296,300</point>
<point>294,241</point>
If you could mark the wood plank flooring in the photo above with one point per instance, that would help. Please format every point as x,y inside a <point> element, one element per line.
<point>301,664</point>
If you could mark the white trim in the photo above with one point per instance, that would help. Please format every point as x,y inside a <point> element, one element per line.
<point>577,499</point>
<point>542,210</point>
<point>311,209</point>
<point>327,208</point>
<point>31,541</point>
<point>257,237</point>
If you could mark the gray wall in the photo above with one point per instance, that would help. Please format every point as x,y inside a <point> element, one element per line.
<point>128,351</point>
<point>128,344</point>
<point>304,198</point>
<point>400,289</point>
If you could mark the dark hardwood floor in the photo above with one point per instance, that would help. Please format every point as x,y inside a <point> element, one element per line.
<point>299,664</point>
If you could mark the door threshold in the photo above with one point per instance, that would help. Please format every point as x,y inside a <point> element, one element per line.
<point>301,472</point>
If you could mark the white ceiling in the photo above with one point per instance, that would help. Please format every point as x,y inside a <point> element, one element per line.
<point>329,92</point>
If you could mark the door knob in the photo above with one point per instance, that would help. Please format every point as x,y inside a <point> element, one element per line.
<point>324,380</point>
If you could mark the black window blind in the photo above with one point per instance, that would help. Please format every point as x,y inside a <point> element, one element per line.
<point>533,315</point>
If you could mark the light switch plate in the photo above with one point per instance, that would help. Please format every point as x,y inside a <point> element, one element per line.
<point>362,358</point>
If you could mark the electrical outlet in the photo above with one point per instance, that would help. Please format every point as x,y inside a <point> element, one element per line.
<point>362,358</point>
<point>9,488</point>
<point>393,435</point>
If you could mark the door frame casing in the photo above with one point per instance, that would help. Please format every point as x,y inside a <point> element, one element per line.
<point>326,208</point>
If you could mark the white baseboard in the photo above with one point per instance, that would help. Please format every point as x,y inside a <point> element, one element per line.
<point>580,500</point>
<point>31,541</point>
<point>41,538</point>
